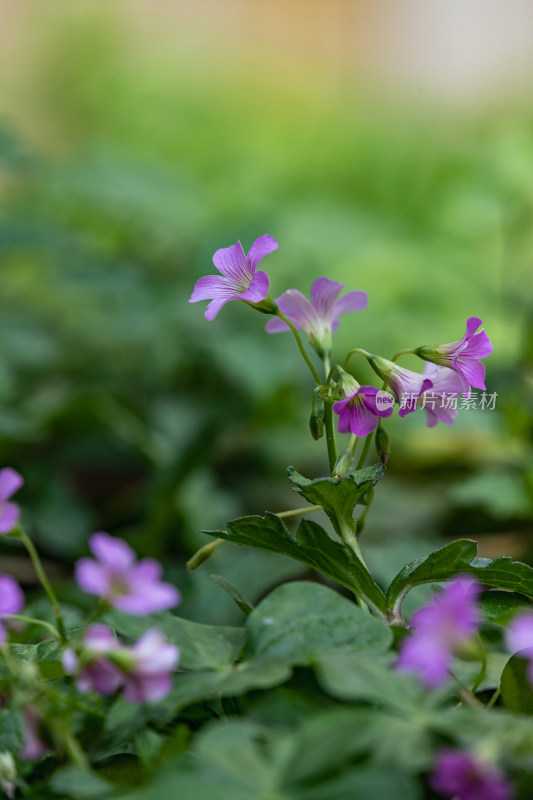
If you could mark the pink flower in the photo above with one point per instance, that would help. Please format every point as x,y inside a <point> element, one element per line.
<point>239,279</point>
<point>359,413</point>
<point>33,746</point>
<point>10,482</point>
<point>440,402</point>
<point>11,601</point>
<point>519,638</point>
<point>440,629</point>
<point>129,585</point>
<point>143,672</point>
<point>320,317</point>
<point>465,776</point>
<point>463,355</point>
<point>406,385</point>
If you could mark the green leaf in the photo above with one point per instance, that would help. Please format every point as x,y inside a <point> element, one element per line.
<point>47,654</point>
<point>459,558</point>
<point>77,783</point>
<point>11,730</point>
<point>245,606</point>
<point>499,607</point>
<point>517,693</point>
<point>300,621</point>
<point>312,546</point>
<point>337,496</point>
<point>202,647</point>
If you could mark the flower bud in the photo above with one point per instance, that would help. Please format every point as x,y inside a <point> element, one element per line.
<point>382,444</point>
<point>316,423</point>
<point>343,463</point>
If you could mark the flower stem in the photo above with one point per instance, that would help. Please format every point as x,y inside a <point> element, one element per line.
<point>364,452</point>
<point>33,621</point>
<point>361,520</point>
<point>330,434</point>
<point>293,512</point>
<point>351,353</point>
<point>402,352</point>
<point>300,345</point>
<point>21,534</point>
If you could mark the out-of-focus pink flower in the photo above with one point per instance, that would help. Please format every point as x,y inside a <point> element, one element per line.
<point>11,601</point>
<point>10,482</point>
<point>33,746</point>
<point>440,629</point>
<point>440,402</point>
<point>359,413</point>
<point>465,776</point>
<point>519,638</point>
<point>150,676</point>
<point>94,671</point>
<point>127,584</point>
<point>320,317</point>
<point>239,278</point>
<point>406,384</point>
<point>463,355</point>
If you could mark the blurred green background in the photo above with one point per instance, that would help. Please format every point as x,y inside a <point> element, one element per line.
<point>136,141</point>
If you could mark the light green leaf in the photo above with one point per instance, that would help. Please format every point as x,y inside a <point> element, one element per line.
<point>313,546</point>
<point>11,730</point>
<point>244,604</point>
<point>337,496</point>
<point>300,621</point>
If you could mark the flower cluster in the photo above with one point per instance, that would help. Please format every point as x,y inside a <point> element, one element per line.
<point>466,776</point>
<point>450,369</point>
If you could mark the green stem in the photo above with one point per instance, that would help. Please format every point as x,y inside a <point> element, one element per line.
<point>21,534</point>
<point>33,621</point>
<point>296,511</point>
<point>494,698</point>
<point>483,670</point>
<point>330,434</point>
<point>351,353</point>
<point>300,345</point>
<point>402,352</point>
<point>364,452</point>
<point>465,694</point>
<point>361,520</point>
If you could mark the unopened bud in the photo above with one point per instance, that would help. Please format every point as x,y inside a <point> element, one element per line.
<point>316,423</point>
<point>343,464</point>
<point>382,444</point>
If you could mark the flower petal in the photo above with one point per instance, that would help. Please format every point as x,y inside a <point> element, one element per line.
<point>353,301</point>
<point>215,305</point>
<point>362,420</point>
<point>473,371</point>
<point>92,577</point>
<point>9,515</point>
<point>10,482</point>
<point>478,346</point>
<point>110,550</point>
<point>261,247</point>
<point>324,293</point>
<point>258,288</point>
<point>210,287</point>
<point>231,262</point>
<point>298,309</point>
<point>11,596</point>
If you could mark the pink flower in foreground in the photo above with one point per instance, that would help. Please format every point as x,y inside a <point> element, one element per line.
<point>143,672</point>
<point>406,384</point>
<point>239,278</point>
<point>129,585</point>
<point>359,413</point>
<point>464,355</point>
<point>465,776</point>
<point>440,629</point>
<point>10,482</point>
<point>11,601</point>
<point>519,638</point>
<point>320,317</point>
<point>440,402</point>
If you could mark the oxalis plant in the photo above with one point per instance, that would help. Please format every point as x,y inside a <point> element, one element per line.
<point>322,693</point>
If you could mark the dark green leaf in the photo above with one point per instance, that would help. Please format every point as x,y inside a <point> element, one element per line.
<point>312,546</point>
<point>500,606</point>
<point>337,496</point>
<point>517,693</point>
<point>245,606</point>
<point>300,621</point>
<point>47,654</point>
<point>459,558</point>
<point>202,647</point>
<point>11,730</point>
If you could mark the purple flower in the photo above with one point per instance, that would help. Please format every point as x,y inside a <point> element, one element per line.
<point>465,776</point>
<point>440,402</point>
<point>11,601</point>
<point>150,676</point>
<point>239,279</point>
<point>96,673</point>
<point>10,482</point>
<point>318,318</point>
<point>33,746</point>
<point>463,355</point>
<point>406,385</point>
<point>359,413</point>
<point>143,672</point>
<point>519,638</point>
<point>440,629</point>
<point>129,585</point>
